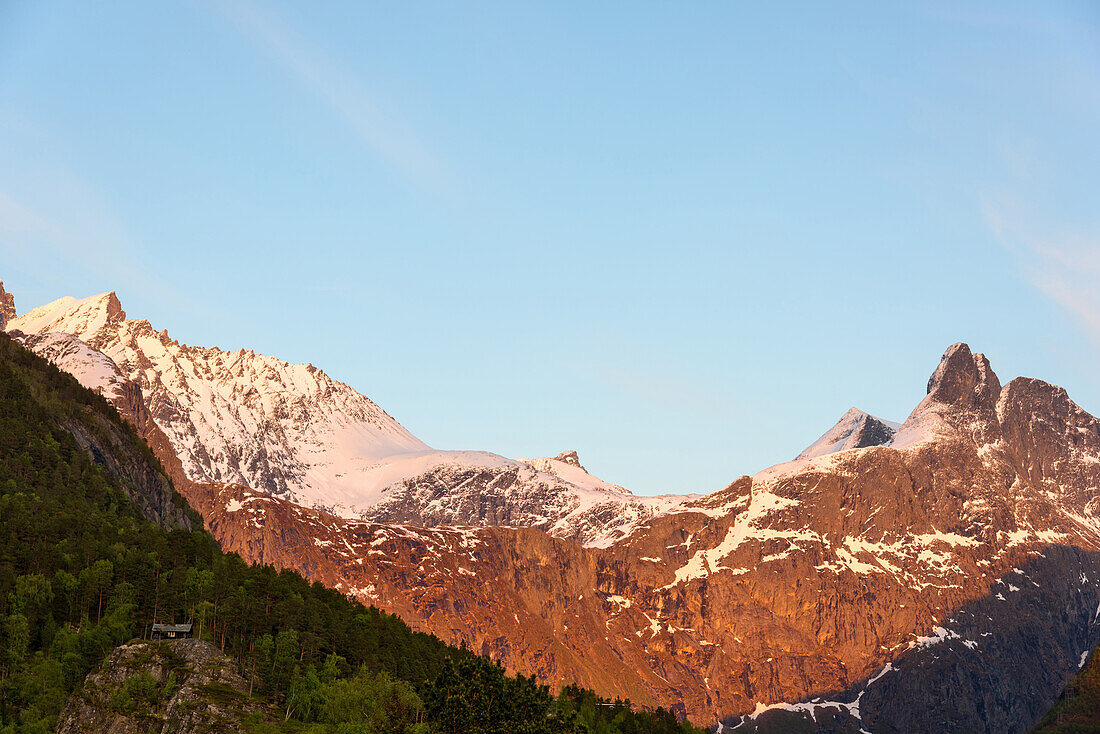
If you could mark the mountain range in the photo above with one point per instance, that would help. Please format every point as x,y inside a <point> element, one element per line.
<point>937,574</point>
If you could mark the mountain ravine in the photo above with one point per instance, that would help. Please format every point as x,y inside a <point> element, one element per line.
<point>940,575</point>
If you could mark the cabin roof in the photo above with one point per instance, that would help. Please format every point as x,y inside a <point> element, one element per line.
<point>185,627</point>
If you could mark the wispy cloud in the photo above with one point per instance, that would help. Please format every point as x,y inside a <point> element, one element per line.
<point>60,230</point>
<point>380,129</point>
<point>1062,263</point>
<point>67,248</point>
<point>16,220</point>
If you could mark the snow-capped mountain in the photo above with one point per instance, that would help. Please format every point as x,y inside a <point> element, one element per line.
<point>291,431</point>
<point>469,488</point>
<point>92,368</point>
<point>854,430</point>
<point>947,583</point>
<point>943,577</point>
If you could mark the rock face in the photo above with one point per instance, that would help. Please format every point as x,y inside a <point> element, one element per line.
<point>146,487</point>
<point>7,306</point>
<point>571,458</point>
<point>176,686</point>
<point>293,432</point>
<point>942,579</point>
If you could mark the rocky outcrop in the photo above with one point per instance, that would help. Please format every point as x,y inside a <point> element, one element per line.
<point>7,306</point>
<point>571,458</point>
<point>176,686</point>
<point>964,379</point>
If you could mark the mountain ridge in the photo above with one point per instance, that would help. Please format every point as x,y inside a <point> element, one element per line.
<point>293,432</point>
<point>826,575</point>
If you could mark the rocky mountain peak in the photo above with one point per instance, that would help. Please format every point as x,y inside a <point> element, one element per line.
<point>963,393</point>
<point>83,317</point>
<point>112,307</point>
<point>569,457</point>
<point>7,306</point>
<point>856,429</point>
<point>964,379</point>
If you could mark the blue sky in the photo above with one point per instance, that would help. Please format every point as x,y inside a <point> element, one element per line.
<point>679,238</point>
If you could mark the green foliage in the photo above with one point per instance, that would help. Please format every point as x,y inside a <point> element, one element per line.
<point>584,711</point>
<point>170,686</point>
<point>138,693</point>
<point>367,702</point>
<point>1078,708</point>
<point>82,572</point>
<point>475,696</point>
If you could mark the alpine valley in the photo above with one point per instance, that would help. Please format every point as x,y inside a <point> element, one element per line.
<point>940,574</point>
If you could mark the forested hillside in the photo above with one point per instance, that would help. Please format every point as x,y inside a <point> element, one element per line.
<point>82,571</point>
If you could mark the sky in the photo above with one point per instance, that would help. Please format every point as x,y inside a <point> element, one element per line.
<point>682,239</point>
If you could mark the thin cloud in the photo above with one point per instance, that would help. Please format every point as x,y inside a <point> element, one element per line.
<point>1063,265</point>
<point>16,220</point>
<point>390,139</point>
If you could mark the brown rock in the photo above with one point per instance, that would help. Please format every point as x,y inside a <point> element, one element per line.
<point>7,306</point>
<point>194,688</point>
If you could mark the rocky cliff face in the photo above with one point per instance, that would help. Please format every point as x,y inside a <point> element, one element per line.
<point>943,577</point>
<point>177,686</point>
<point>147,488</point>
<point>7,306</point>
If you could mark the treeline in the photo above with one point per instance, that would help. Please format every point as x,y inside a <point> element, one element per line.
<point>81,571</point>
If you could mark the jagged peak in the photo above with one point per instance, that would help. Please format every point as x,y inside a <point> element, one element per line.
<point>7,306</point>
<point>963,382</point>
<point>569,457</point>
<point>552,465</point>
<point>113,305</point>
<point>856,429</point>
<point>963,378</point>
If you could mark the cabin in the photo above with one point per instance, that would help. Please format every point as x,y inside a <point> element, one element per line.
<point>171,631</point>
